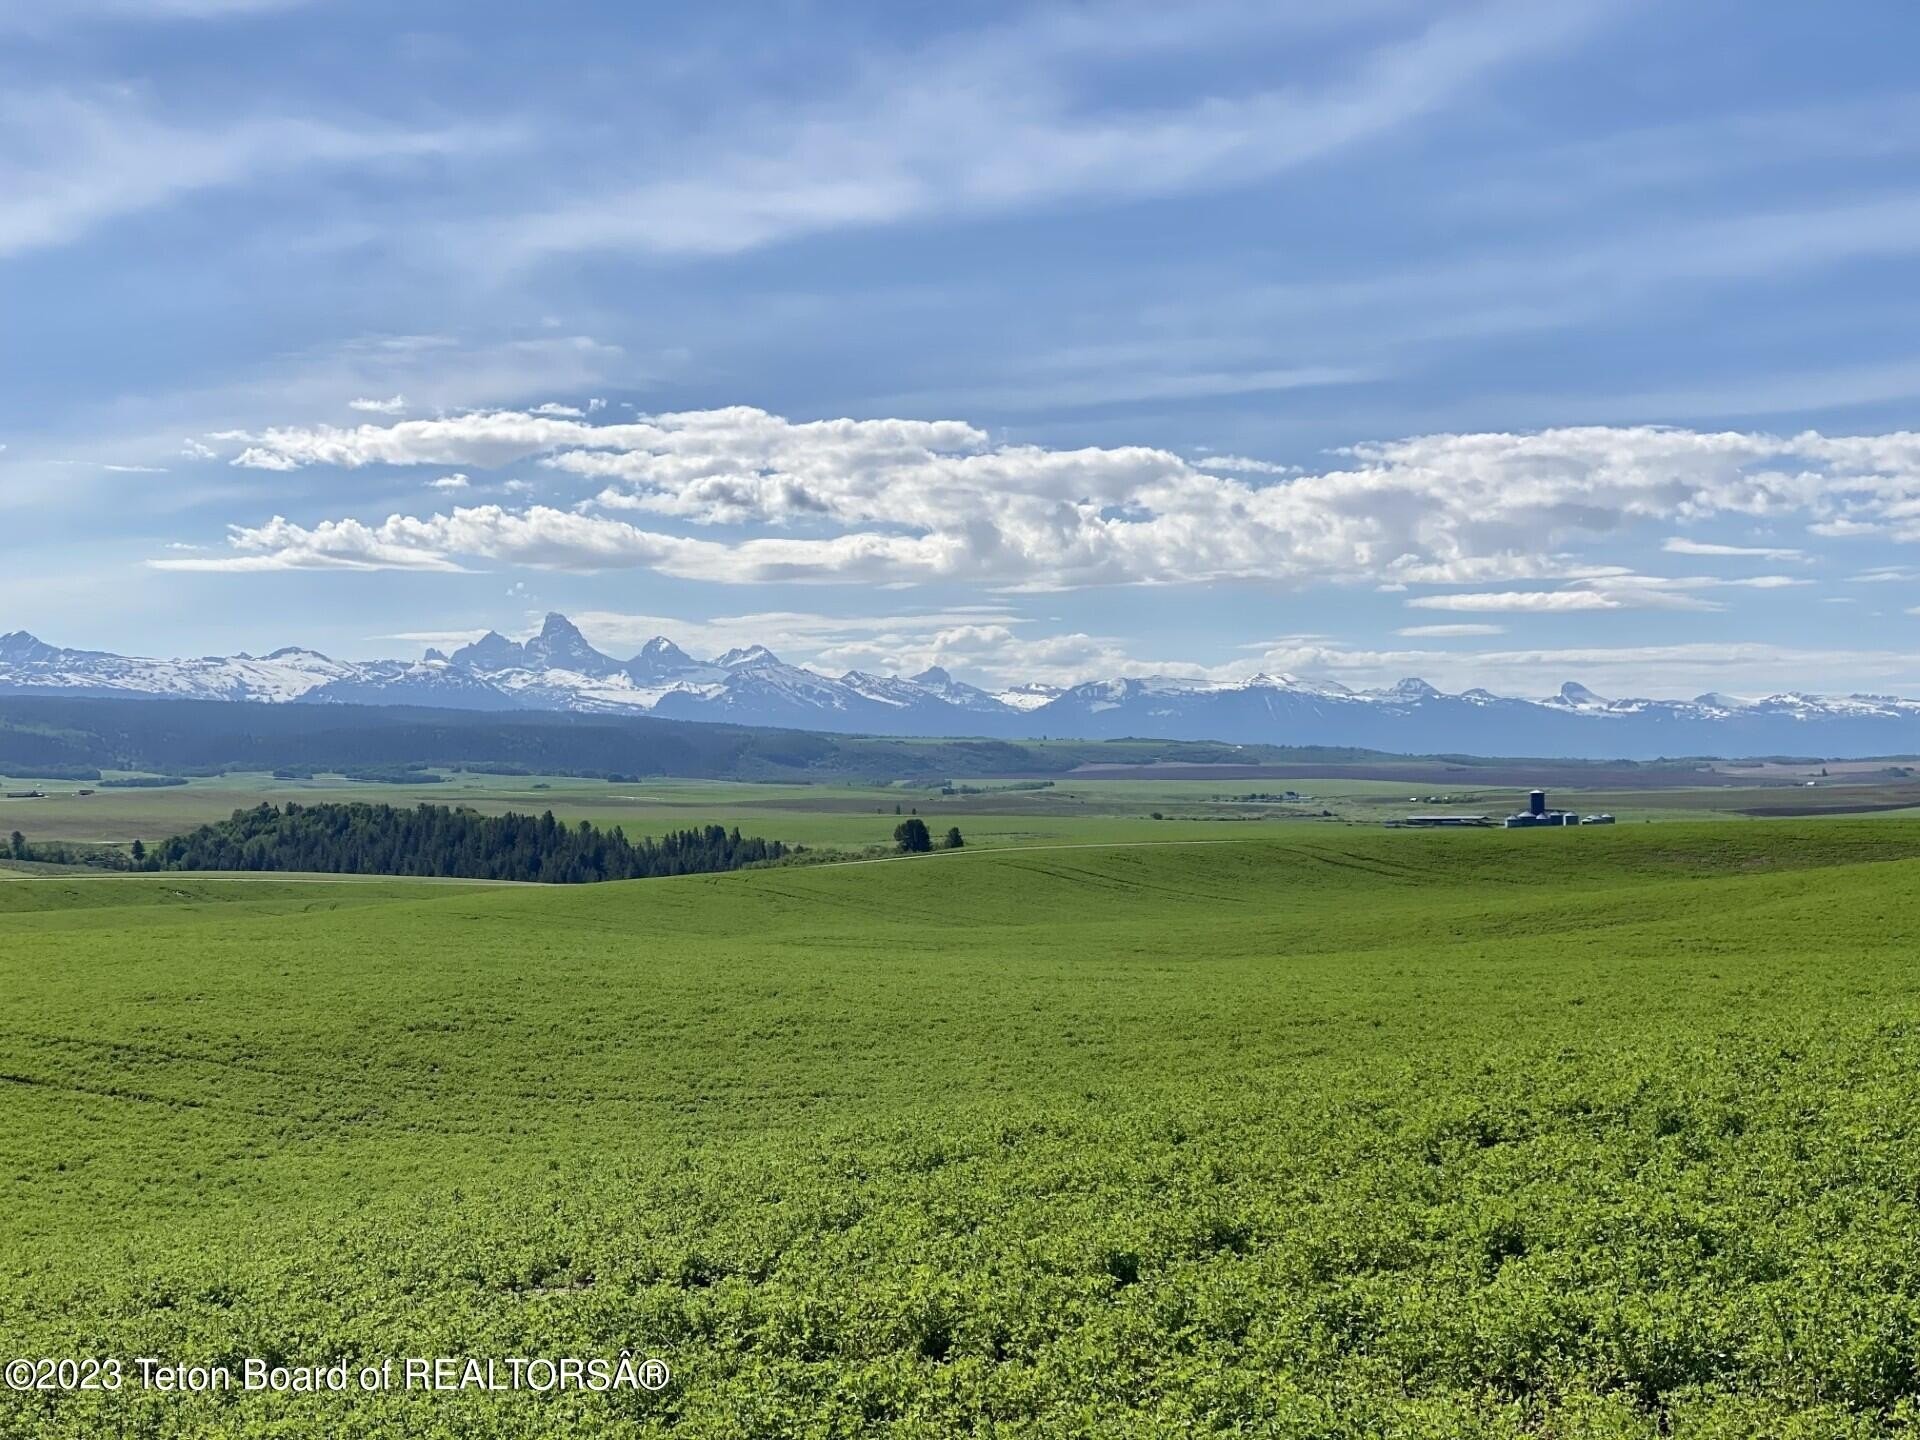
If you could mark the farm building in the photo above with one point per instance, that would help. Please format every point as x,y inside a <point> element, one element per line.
<point>1537,814</point>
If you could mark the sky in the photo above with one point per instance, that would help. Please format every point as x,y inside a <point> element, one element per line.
<point>1496,343</point>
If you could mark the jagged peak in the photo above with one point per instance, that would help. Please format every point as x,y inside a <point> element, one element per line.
<point>932,675</point>
<point>492,648</point>
<point>740,657</point>
<point>1411,688</point>
<point>1574,693</point>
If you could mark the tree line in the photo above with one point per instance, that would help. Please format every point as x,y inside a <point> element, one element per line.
<point>369,839</point>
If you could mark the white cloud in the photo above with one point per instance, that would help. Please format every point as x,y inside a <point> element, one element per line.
<point>1244,465</point>
<point>1679,545</point>
<point>1444,632</point>
<point>397,405</point>
<point>113,468</point>
<point>1609,590</point>
<point>194,450</point>
<point>455,481</point>
<point>1531,601</point>
<point>255,458</point>
<point>903,501</point>
<point>553,407</point>
<point>331,545</point>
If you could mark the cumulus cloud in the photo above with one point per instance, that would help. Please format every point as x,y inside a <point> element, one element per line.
<point>455,481</point>
<point>905,501</point>
<point>395,405</point>
<point>331,545</point>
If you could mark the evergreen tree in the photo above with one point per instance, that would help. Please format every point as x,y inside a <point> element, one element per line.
<point>912,837</point>
<point>954,842</point>
<point>17,845</point>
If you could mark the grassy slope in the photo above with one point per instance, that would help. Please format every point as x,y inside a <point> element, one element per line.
<point>1475,1133</point>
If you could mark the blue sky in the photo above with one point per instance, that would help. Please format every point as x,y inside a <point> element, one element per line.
<point>1498,343</point>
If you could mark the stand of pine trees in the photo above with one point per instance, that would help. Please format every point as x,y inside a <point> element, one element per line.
<point>436,840</point>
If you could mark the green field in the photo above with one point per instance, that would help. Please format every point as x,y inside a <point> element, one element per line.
<point>854,817</point>
<point>1318,1131</point>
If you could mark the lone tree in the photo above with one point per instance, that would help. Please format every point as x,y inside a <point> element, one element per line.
<point>954,842</point>
<point>139,851</point>
<point>912,837</point>
<point>17,845</point>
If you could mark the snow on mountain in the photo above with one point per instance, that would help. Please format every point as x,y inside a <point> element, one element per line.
<point>751,655</point>
<point>561,646</point>
<point>1029,696</point>
<point>558,669</point>
<point>1412,690</point>
<point>1579,697</point>
<point>661,659</point>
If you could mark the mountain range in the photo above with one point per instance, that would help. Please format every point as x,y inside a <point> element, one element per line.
<point>559,670</point>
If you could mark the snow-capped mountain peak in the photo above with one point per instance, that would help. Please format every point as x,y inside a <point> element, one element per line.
<point>20,648</point>
<point>561,646</point>
<point>1575,694</point>
<point>558,669</point>
<point>1412,689</point>
<point>662,651</point>
<point>492,651</point>
<point>740,658</point>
